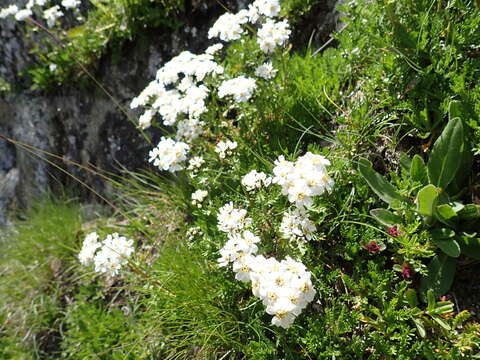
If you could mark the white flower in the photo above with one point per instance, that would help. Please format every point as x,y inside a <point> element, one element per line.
<point>9,11</point>
<point>198,197</point>
<point>193,232</point>
<point>231,219</point>
<point>256,180</point>
<point>297,227</point>
<point>241,88</point>
<point>273,34</point>
<point>70,4</point>
<point>145,120</point>
<point>266,71</point>
<point>52,14</point>
<point>169,155</point>
<point>225,148</point>
<point>269,8</point>
<point>302,180</point>
<point>195,163</point>
<point>228,27</point>
<point>113,255</point>
<point>189,129</point>
<point>23,14</point>
<point>213,49</point>
<point>89,247</point>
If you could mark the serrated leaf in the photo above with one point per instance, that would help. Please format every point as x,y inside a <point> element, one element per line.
<point>445,240</point>
<point>427,199</point>
<point>418,170</point>
<point>441,271</point>
<point>377,183</point>
<point>444,158</point>
<point>385,217</point>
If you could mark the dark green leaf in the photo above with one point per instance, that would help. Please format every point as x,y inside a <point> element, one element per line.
<point>441,271</point>
<point>405,161</point>
<point>377,183</point>
<point>385,217</point>
<point>411,298</point>
<point>444,159</point>
<point>469,212</point>
<point>444,239</point>
<point>470,246</point>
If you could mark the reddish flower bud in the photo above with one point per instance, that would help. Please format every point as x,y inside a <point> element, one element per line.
<point>407,272</point>
<point>373,247</point>
<point>393,231</point>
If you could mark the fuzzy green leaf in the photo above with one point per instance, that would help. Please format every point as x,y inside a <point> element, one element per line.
<point>385,217</point>
<point>427,199</point>
<point>441,322</point>
<point>418,170</point>
<point>441,271</point>
<point>411,298</point>
<point>420,327</point>
<point>444,159</point>
<point>377,183</point>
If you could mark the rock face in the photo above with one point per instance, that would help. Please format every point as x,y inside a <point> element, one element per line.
<point>85,126</point>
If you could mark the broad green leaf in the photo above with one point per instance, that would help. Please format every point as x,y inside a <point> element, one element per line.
<point>446,214</point>
<point>411,298</point>
<point>470,246</point>
<point>377,183</point>
<point>441,271</point>
<point>455,109</point>
<point>385,217</point>
<point>427,199</point>
<point>445,240</point>
<point>418,170</point>
<point>444,158</point>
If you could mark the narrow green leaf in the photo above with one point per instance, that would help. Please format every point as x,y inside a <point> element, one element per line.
<point>441,322</point>
<point>444,158</point>
<point>426,200</point>
<point>444,307</point>
<point>445,240</point>
<point>420,327</point>
<point>385,217</point>
<point>418,170</point>
<point>441,271</point>
<point>377,183</point>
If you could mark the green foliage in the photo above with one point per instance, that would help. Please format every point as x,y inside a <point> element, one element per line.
<point>108,24</point>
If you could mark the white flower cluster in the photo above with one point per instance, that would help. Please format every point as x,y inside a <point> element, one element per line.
<point>285,287</point>
<point>178,90</point>
<point>225,148</point>
<point>297,227</point>
<point>272,34</point>
<point>241,88</point>
<point>193,232</point>
<point>266,71</point>
<point>256,180</point>
<point>232,220</point>
<point>51,15</point>
<point>198,197</point>
<point>302,179</point>
<point>228,27</point>
<point>169,155</point>
<point>113,254</point>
